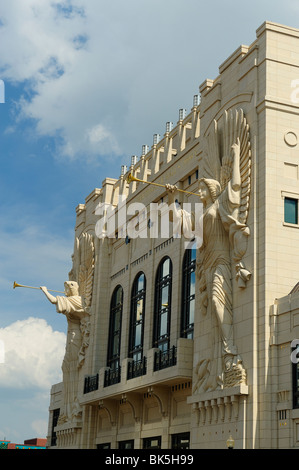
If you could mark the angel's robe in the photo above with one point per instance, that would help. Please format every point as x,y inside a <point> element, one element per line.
<point>220,226</point>
<point>221,229</point>
<point>72,307</point>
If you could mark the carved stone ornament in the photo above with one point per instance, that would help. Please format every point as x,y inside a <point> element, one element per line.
<point>225,191</point>
<point>76,306</point>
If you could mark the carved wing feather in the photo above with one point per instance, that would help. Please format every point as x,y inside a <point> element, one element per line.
<point>235,127</point>
<point>245,171</point>
<point>212,162</point>
<point>86,272</point>
<point>83,267</point>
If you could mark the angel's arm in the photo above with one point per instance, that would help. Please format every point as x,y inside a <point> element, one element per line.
<point>183,221</point>
<point>174,214</point>
<point>236,176</point>
<point>50,297</point>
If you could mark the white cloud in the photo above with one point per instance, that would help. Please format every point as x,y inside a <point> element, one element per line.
<point>103,77</point>
<point>97,65</point>
<point>40,427</point>
<point>33,354</point>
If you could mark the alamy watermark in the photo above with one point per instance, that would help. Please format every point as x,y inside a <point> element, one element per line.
<point>295,351</point>
<point>135,220</point>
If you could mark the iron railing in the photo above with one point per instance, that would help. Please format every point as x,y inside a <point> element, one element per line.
<point>136,368</point>
<point>112,376</point>
<point>91,383</point>
<point>164,359</point>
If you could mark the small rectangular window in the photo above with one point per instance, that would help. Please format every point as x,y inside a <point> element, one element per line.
<point>126,444</point>
<point>290,210</point>
<point>152,443</point>
<point>107,445</point>
<point>180,441</point>
<point>54,424</point>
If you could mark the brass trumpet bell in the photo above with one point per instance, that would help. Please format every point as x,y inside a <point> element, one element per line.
<point>15,284</point>
<point>131,178</point>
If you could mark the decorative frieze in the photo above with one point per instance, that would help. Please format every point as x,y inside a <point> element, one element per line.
<point>221,406</point>
<point>68,436</point>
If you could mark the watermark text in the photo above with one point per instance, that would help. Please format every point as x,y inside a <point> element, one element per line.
<point>160,220</point>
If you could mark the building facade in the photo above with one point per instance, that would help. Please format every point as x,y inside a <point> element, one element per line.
<point>181,339</point>
<point>29,444</point>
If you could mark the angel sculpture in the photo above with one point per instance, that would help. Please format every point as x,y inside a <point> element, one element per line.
<point>76,306</point>
<point>224,192</point>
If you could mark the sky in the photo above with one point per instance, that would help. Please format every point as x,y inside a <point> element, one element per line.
<point>87,83</point>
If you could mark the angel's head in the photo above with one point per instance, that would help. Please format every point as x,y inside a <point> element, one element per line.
<point>209,190</point>
<point>71,288</point>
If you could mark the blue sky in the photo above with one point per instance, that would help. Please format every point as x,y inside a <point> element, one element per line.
<point>87,83</point>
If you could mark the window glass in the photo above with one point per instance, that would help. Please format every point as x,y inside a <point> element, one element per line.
<point>140,282</point>
<point>291,210</point>
<point>126,444</point>
<point>118,296</point>
<point>188,294</point>
<point>138,335</point>
<point>162,305</point>
<point>164,297</point>
<point>104,446</point>
<point>191,311</point>
<point>192,283</point>
<point>116,322</point>
<point>139,309</point>
<point>180,441</point>
<point>113,356</point>
<point>152,443</point>
<point>166,267</point>
<point>163,324</point>
<point>137,317</point>
<point>115,345</point>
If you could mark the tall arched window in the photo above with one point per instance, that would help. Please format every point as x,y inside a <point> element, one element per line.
<point>162,305</point>
<point>116,307</point>
<point>137,317</point>
<point>188,293</point>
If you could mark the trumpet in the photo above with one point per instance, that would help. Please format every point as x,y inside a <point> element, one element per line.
<point>15,284</point>
<point>131,178</point>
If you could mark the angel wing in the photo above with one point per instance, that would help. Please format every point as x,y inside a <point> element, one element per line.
<point>83,267</point>
<point>236,127</point>
<point>212,161</point>
<point>219,163</point>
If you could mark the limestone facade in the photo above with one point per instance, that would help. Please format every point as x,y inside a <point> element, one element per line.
<point>146,394</point>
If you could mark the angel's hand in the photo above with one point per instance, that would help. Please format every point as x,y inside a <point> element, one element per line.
<point>170,188</point>
<point>236,148</point>
<point>44,289</point>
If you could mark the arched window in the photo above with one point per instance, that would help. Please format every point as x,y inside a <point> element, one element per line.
<point>188,293</point>
<point>137,317</point>
<point>116,307</point>
<point>162,305</point>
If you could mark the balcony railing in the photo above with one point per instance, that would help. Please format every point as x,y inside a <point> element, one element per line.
<point>136,368</point>
<point>180,356</point>
<point>91,383</point>
<point>112,376</point>
<point>164,359</point>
